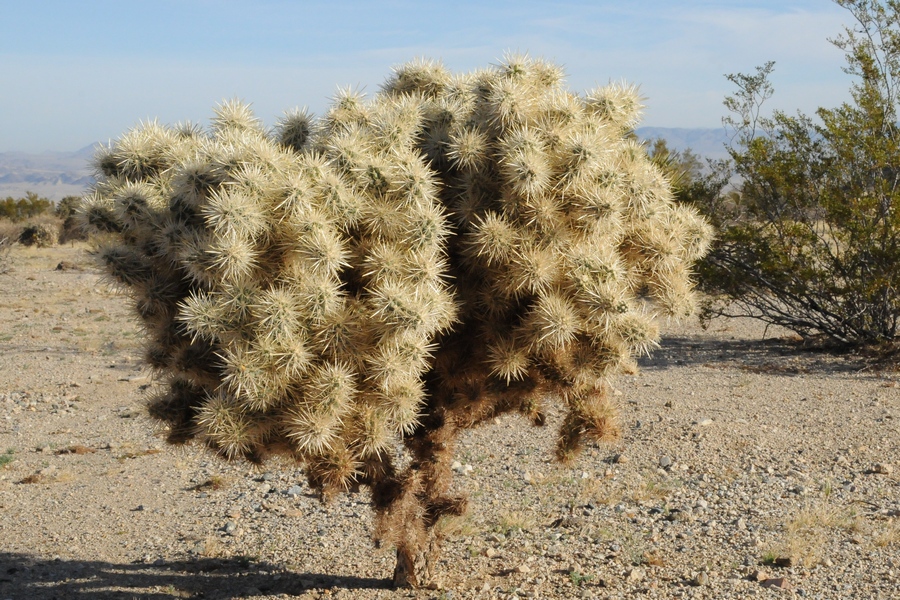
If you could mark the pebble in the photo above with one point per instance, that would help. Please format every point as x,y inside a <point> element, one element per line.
<point>665,461</point>
<point>882,468</point>
<point>294,491</point>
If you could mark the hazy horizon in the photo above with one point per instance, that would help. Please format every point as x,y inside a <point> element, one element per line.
<point>85,72</point>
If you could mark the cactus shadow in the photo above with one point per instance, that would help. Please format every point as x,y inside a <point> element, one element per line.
<point>774,355</point>
<point>24,576</point>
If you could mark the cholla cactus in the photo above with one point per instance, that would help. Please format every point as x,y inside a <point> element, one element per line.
<point>295,285</point>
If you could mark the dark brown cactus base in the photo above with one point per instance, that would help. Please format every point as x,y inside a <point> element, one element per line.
<point>414,569</point>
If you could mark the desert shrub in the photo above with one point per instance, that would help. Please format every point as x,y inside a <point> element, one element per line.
<point>20,209</point>
<point>393,273</point>
<point>811,238</point>
<point>71,229</point>
<point>42,235</point>
<point>67,207</point>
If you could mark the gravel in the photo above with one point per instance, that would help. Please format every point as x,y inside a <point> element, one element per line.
<point>748,467</point>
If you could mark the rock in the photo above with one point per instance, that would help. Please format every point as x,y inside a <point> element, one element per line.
<point>882,468</point>
<point>497,538</point>
<point>779,583</point>
<point>229,527</point>
<point>523,568</point>
<point>634,575</point>
<point>784,561</point>
<point>294,490</point>
<point>665,462</point>
<point>702,578</point>
<point>758,576</point>
<point>491,553</point>
<point>704,422</point>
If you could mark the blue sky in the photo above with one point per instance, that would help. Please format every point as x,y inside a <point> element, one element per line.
<point>74,73</point>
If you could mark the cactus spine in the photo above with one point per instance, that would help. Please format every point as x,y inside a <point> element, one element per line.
<point>395,272</point>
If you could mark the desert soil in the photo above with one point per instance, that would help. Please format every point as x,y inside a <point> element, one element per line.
<point>748,467</point>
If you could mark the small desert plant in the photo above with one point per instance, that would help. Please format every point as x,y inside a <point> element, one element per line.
<point>402,269</point>
<point>42,235</point>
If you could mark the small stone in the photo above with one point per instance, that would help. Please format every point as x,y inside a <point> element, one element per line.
<point>456,467</point>
<point>229,527</point>
<point>758,576</point>
<point>704,422</point>
<point>779,583</point>
<point>523,568</point>
<point>491,553</point>
<point>882,468</point>
<point>497,538</point>
<point>634,575</point>
<point>665,462</point>
<point>702,578</point>
<point>294,490</point>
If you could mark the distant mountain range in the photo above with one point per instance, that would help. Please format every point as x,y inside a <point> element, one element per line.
<point>55,175</point>
<point>52,175</point>
<point>708,143</point>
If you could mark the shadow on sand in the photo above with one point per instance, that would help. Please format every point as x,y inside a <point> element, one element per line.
<point>786,356</point>
<point>26,577</point>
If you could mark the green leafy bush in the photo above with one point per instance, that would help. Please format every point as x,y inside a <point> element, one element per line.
<point>811,239</point>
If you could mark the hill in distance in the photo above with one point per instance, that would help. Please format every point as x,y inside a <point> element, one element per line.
<point>706,143</point>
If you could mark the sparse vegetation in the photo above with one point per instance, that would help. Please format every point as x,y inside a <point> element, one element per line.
<point>21,209</point>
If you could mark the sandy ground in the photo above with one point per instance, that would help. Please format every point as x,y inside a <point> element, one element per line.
<point>748,467</point>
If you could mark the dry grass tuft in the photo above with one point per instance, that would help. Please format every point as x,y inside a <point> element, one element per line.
<point>889,536</point>
<point>515,521</point>
<point>807,533</point>
<point>454,527</point>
